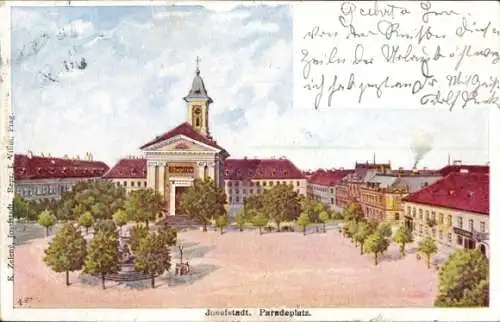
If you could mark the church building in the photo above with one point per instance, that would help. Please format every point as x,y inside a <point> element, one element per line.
<point>178,157</point>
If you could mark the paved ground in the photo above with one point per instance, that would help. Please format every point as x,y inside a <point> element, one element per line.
<point>243,269</point>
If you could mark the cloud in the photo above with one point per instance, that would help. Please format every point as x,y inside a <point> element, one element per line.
<point>140,63</point>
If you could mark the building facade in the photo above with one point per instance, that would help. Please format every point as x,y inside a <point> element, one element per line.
<point>247,177</point>
<point>454,211</point>
<point>41,177</point>
<point>321,185</point>
<point>129,173</point>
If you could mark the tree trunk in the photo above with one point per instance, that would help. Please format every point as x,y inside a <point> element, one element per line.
<point>376,258</point>
<point>241,228</point>
<point>304,230</point>
<point>324,227</point>
<point>402,250</point>
<point>205,227</point>
<point>103,276</point>
<point>361,248</point>
<point>260,230</point>
<point>428,261</point>
<point>86,230</point>
<point>67,278</point>
<point>278,226</point>
<point>221,232</point>
<point>147,223</point>
<point>152,280</point>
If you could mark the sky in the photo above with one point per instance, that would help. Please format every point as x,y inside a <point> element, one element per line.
<point>140,63</point>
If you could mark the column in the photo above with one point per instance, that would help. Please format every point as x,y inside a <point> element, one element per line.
<point>166,194</point>
<point>201,170</point>
<point>150,175</point>
<point>211,170</point>
<point>161,178</point>
<point>171,205</point>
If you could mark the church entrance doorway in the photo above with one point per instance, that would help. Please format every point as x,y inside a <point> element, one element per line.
<point>179,192</point>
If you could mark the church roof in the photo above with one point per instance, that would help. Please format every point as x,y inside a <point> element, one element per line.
<point>198,90</point>
<point>187,130</point>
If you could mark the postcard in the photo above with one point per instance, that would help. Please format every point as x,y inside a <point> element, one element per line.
<point>249,161</point>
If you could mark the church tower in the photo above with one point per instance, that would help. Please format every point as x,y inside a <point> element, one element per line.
<point>198,103</point>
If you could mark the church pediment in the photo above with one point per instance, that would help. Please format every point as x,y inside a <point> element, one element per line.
<point>182,144</point>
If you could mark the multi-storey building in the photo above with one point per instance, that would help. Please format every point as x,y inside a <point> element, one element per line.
<point>454,211</point>
<point>321,186</point>
<point>41,177</point>
<point>247,177</point>
<point>129,173</point>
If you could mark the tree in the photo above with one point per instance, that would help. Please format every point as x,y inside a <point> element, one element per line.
<point>362,233</point>
<point>303,221</point>
<point>67,251</point>
<point>428,247</point>
<point>385,229</point>
<point>86,220</point>
<point>464,280</point>
<point>402,237</point>
<point>259,220</point>
<point>312,207</point>
<point>240,219</point>
<point>47,220</point>
<point>137,233</point>
<point>353,212</point>
<point>323,218</point>
<point>23,209</point>
<point>107,226</point>
<point>168,234</point>
<point>376,244</point>
<point>204,200</point>
<point>352,228</point>
<point>337,216</point>
<point>102,255</point>
<point>221,223</point>
<point>152,256</point>
<point>144,205</point>
<point>281,203</point>
<point>120,218</point>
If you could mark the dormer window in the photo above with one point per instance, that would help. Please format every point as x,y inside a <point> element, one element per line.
<point>285,173</point>
<point>273,173</point>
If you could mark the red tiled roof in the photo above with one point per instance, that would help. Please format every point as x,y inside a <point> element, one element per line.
<point>461,191</point>
<point>37,167</point>
<point>329,177</point>
<point>247,169</point>
<point>187,130</point>
<point>128,169</point>
<point>468,168</point>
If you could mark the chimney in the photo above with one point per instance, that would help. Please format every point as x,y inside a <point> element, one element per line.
<point>245,158</point>
<point>30,154</point>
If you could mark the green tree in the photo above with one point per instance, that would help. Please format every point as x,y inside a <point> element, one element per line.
<point>120,218</point>
<point>353,212</point>
<point>464,280</point>
<point>253,203</point>
<point>259,220</point>
<point>67,251</point>
<point>204,200</point>
<point>107,226</point>
<point>152,256</point>
<point>312,207</point>
<point>144,205</point>
<point>402,237</point>
<point>102,255</point>
<point>323,218</point>
<point>303,221</point>
<point>23,209</point>
<point>241,219</point>
<point>364,230</point>
<point>428,247</point>
<point>337,216</point>
<point>86,220</point>
<point>221,223</point>
<point>385,229</point>
<point>168,234</point>
<point>352,228</point>
<point>281,203</point>
<point>376,244</point>
<point>137,233</point>
<point>47,220</point>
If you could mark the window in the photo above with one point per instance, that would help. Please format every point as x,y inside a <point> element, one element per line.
<point>460,222</point>
<point>138,184</point>
<point>145,184</point>
<point>396,216</point>
<point>264,183</point>
<point>441,218</point>
<point>236,183</point>
<point>433,232</point>
<point>449,238</point>
<point>448,220</point>
<point>229,183</point>
<point>251,191</point>
<point>297,183</point>
<point>414,212</point>
<point>440,234</point>
<point>237,191</point>
<point>460,240</point>
<point>271,183</point>
<point>118,184</point>
<point>482,227</point>
<point>230,199</point>
<point>420,228</point>
<point>332,201</point>
<point>237,199</point>
<point>125,183</point>
<point>331,190</point>
<point>433,216</point>
<point>132,183</point>
<point>244,191</point>
<point>420,214</point>
<point>408,210</point>
<point>258,183</point>
<point>427,215</point>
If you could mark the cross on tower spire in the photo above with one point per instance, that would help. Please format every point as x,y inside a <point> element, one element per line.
<point>198,64</point>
